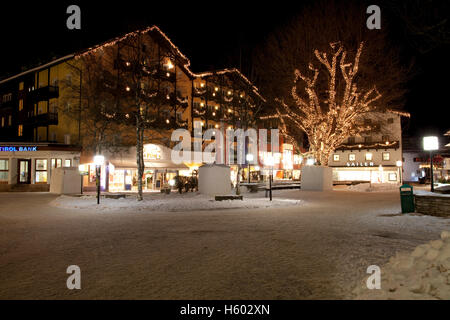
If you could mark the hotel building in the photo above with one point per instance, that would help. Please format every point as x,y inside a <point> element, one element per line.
<point>40,129</point>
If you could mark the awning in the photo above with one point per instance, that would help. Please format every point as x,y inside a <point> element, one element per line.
<point>157,164</point>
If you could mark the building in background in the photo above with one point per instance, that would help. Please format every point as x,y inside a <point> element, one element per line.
<point>417,161</point>
<point>375,157</point>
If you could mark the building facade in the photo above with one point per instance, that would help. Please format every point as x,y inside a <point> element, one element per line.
<point>46,108</point>
<point>375,157</point>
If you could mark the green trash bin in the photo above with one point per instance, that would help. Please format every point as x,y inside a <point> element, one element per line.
<point>407,198</point>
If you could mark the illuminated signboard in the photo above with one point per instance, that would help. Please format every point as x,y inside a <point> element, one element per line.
<point>152,152</point>
<point>360,164</point>
<point>18,149</point>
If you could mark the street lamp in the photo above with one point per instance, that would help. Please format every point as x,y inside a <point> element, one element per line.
<point>400,168</point>
<point>98,161</point>
<point>431,144</point>
<point>82,171</point>
<point>270,162</point>
<point>249,159</point>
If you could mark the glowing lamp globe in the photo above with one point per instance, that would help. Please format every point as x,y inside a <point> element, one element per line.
<point>99,160</point>
<point>430,143</point>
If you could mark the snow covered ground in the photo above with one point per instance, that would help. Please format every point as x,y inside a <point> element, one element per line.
<point>162,202</point>
<point>317,248</point>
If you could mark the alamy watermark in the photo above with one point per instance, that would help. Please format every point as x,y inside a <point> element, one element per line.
<point>74,20</point>
<point>374,281</point>
<point>74,280</point>
<point>224,147</point>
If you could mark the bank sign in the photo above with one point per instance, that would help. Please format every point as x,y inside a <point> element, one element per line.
<point>17,149</point>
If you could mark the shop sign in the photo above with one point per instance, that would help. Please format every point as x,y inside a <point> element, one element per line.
<point>18,149</point>
<point>152,152</point>
<point>360,164</point>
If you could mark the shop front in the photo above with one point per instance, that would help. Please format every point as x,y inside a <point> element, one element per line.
<point>28,167</point>
<point>366,174</point>
<point>120,171</point>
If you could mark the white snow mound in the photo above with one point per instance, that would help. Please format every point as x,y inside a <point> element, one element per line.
<point>167,203</point>
<point>376,187</point>
<point>422,274</point>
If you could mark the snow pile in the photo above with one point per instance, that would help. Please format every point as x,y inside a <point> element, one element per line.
<point>376,187</point>
<point>163,203</point>
<point>422,274</point>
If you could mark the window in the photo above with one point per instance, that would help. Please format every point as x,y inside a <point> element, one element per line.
<point>21,86</point>
<point>392,177</point>
<point>390,121</point>
<point>67,163</point>
<point>367,140</point>
<point>386,156</point>
<point>4,170</point>
<point>10,120</point>
<point>336,158</point>
<point>351,140</point>
<point>56,163</point>
<point>3,122</point>
<point>352,157</point>
<point>385,138</point>
<point>20,130</point>
<point>41,170</point>
<point>369,157</point>
<point>7,97</point>
<point>20,104</point>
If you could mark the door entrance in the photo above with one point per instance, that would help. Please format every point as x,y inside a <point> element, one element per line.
<point>24,174</point>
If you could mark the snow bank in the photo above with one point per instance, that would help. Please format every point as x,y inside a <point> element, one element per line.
<point>422,274</point>
<point>163,203</point>
<point>376,187</point>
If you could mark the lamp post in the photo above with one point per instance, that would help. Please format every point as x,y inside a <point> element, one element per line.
<point>98,161</point>
<point>270,162</point>
<point>82,173</point>
<point>431,144</point>
<point>400,169</point>
<point>249,159</point>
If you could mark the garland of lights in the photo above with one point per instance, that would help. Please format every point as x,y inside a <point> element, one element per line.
<point>327,128</point>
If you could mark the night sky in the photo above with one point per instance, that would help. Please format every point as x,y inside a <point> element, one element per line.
<point>212,34</point>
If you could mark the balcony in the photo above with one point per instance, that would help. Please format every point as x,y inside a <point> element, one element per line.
<point>43,119</point>
<point>44,93</point>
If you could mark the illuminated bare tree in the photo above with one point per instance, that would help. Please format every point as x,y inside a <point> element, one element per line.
<point>330,114</point>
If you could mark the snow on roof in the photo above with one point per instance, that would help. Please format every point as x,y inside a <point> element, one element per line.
<point>154,28</point>
<point>230,71</point>
<point>400,113</point>
<point>49,64</point>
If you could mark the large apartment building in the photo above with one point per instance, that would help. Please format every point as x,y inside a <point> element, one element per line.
<point>43,123</point>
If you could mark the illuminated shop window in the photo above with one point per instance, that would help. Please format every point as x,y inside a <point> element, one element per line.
<point>41,170</point>
<point>4,168</point>
<point>352,157</point>
<point>67,163</point>
<point>56,163</point>
<point>386,156</point>
<point>369,156</point>
<point>392,177</point>
<point>336,158</point>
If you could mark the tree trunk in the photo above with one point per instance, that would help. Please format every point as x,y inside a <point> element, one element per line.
<point>238,181</point>
<point>139,158</point>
